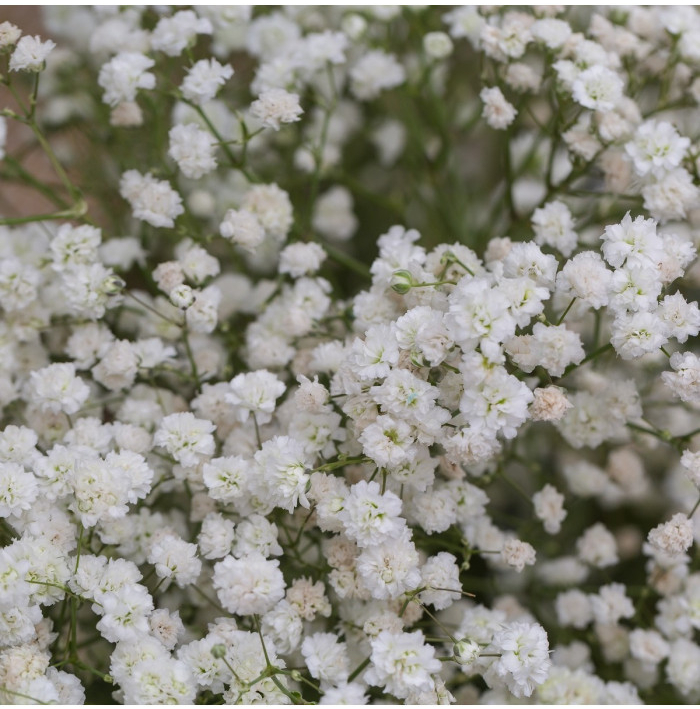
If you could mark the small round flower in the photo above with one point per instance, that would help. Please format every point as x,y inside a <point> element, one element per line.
<point>673,537</point>
<point>498,112</point>
<point>276,106</point>
<point>186,438</point>
<point>30,54</point>
<point>58,388</point>
<point>437,45</point>
<point>598,88</point>
<point>251,584</point>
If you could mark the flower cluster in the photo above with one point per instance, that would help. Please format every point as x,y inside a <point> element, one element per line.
<point>337,371</point>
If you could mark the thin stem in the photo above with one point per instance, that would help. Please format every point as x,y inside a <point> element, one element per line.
<point>566,312</point>
<point>358,669</point>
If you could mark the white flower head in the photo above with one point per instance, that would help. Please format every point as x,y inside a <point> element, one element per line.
<point>30,54</point>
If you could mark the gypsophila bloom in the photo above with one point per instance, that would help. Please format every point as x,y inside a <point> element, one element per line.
<point>124,75</point>
<point>401,662</point>
<point>518,554</point>
<point>375,72</point>
<point>437,45</point>
<point>598,88</point>
<point>242,228</point>
<point>193,150</point>
<point>204,79</point>
<point>248,585</point>
<point>172,34</point>
<point>185,437</point>
<point>276,106</point>
<point>57,388</point>
<point>673,537</point>
<point>9,34</point>
<point>153,201</point>
<point>553,225</point>
<point>498,113</point>
<point>524,658</point>
<point>30,54</point>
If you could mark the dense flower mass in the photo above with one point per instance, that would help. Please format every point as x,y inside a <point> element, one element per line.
<point>349,355</point>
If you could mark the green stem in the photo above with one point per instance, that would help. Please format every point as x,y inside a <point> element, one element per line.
<point>566,312</point>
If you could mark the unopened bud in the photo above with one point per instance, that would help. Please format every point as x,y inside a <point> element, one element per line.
<point>218,651</point>
<point>182,296</point>
<point>466,651</point>
<point>402,281</point>
<point>113,285</point>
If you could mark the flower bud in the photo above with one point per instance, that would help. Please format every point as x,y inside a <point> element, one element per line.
<point>182,296</point>
<point>466,652</point>
<point>437,45</point>
<point>219,651</point>
<point>402,281</point>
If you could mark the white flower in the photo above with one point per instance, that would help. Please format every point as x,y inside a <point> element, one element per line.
<point>685,380</point>
<point>437,45</point>
<point>124,75</point>
<point>553,225</point>
<point>498,112</point>
<point>242,228</point>
<point>215,539</point>
<point>275,106</point>
<point>672,196</point>
<point>175,558</point>
<point>326,658</point>
<point>186,438</point>
<point>636,334</point>
<point>682,318</point>
<point>18,489</point>
<point>387,570</point>
<point>30,54</point>
<point>552,32</point>
<point>597,546</point>
<point>402,663</point>
<point>524,658</point>
<point>281,476</point>
<point>440,576</point>
<point>204,80</point>
<point>273,209</point>
<point>256,393</point>
<point>226,478</point>
<point>549,507</point>
<point>248,585</point>
<point>173,34</point>
<point>388,441</point>
<point>375,72</point>
<point>9,34</point>
<point>125,613</point>
<point>585,277</point>
<point>598,88</point>
<point>100,492</point>
<point>301,259</point>
<point>611,604</point>
<point>497,404</point>
<point>193,150</point>
<point>57,388</point>
<point>656,148</point>
<point>635,243</point>
<point>673,537</point>
<point>153,201</point>
<point>518,554</point>
<point>370,517</point>
<point>683,668</point>
<point>648,646</point>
